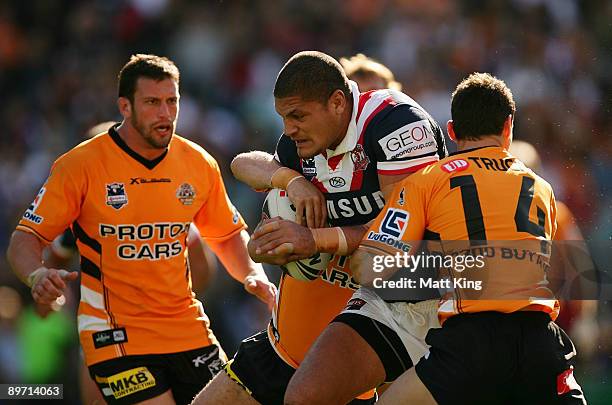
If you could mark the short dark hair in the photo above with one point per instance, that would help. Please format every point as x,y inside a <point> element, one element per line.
<point>311,75</point>
<point>479,106</point>
<point>149,66</point>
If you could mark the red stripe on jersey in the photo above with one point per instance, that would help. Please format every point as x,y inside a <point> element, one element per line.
<point>411,169</point>
<point>386,102</point>
<point>357,180</point>
<point>363,98</point>
<point>333,161</point>
<point>318,184</point>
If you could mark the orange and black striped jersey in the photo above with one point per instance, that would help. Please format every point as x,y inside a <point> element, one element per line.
<point>490,198</point>
<point>131,217</point>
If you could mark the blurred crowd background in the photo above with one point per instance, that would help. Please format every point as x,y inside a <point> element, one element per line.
<point>59,62</point>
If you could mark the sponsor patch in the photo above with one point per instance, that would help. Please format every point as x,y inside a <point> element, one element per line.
<point>395,222</point>
<point>30,213</point>
<point>455,165</point>
<point>116,196</point>
<point>416,136</point>
<point>109,337</point>
<point>308,167</point>
<point>142,180</point>
<point>186,194</point>
<point>388,240</point>
<point>354,304</point>
<point>126,382</point>
<point>359,158</point>
<point>337,182</point>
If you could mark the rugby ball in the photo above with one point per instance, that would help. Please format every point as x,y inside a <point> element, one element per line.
<point>277,204</point>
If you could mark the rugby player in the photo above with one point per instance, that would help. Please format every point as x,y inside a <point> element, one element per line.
<point>130,195</point>
<point>340,151</point>
<point>504,347</point>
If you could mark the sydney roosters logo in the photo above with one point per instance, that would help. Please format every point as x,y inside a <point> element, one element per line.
<point>359,158</point>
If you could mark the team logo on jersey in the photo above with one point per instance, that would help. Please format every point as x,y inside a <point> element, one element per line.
<point>186,194</point>
<point>115,195</point>
<point>359,158</point>
<point>455,165</point>
<point>337,182</point>
<point>395,222</point>
<point>400,201</point>
<point>30,213</point>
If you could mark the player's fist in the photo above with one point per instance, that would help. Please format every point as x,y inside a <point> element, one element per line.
<point>309,202</point>
<point>49,284</point>
<point>257,283</point>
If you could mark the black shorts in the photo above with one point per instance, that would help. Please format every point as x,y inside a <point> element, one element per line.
<point>383,340</point>
<point>262,373</point>
<point>131,379</point>
<point>495,358</point>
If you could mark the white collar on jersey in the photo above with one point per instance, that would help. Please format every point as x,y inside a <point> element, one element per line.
<point>350,139</point>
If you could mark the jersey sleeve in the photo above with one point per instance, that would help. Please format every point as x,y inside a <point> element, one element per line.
<point>218,219</point>
<point>58,203</point>
<point>286,153</point>
<point>401,223</point>
<point>406,140</point>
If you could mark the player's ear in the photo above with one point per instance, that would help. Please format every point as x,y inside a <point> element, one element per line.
<point>125,107</point>
<point>507,131</point>
<point>337,102</point>
<point>450,129</point>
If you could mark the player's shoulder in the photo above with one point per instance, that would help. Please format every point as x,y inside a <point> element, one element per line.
<point>82,154</point>
<point>388,103</point>
<point>430,175</point>
<point>187,149</point>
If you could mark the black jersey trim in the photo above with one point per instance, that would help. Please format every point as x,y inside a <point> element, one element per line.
<point>431,235</point>
<point>149,164</point>
<point>33,231</point>
<point>87,240</point>
<point>88,267</point>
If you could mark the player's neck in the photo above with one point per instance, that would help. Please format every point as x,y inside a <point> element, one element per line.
<point>134,140</point>
<point>491,140</point>
<point>346,121</point>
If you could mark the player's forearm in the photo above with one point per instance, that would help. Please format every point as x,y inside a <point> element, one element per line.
<point>339,240</point>
<point>365,268</point>
<point>260,171</point>
<point>254,168</point>
<point>24,254</point>
<point>234,255</point>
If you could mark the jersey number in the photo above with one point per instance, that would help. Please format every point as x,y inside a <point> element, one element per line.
<point>473,212</point>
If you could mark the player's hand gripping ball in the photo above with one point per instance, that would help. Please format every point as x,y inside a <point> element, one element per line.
<point>277,204</point>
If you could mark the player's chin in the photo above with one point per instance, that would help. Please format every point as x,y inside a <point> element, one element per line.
<point>308,151</point>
